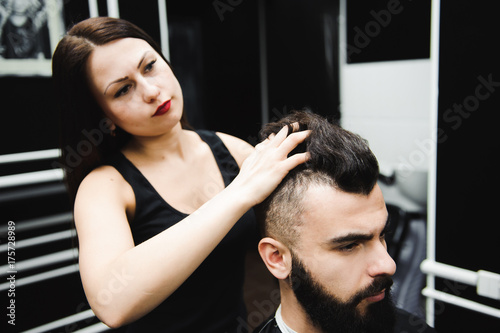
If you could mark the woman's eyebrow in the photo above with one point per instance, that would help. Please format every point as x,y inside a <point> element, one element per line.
<point>126,77</point>
<point>142,59</point>
<point>116,81</point>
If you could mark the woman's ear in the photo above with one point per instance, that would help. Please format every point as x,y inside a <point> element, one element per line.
<point>276,256</point>
<point>108,126</point>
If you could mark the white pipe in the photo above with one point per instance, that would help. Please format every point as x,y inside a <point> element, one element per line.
<point>37,262</point>
<point>30,156</point>
<point>164,38</point>
<point>93,8</point>
<point>49,238</point>
<point>62,322</point>
<point>96,328</point>
<point>55,22</point>
<point>113,8</point>
<point>41,277</point>
<point>30,178</point>
<point>42,222</point>
<point>453,273</point>
<point>432,176</point>
<point>464,303</point>
<point>342,45</point>
<point>342,21</point>
<point>487,283</point>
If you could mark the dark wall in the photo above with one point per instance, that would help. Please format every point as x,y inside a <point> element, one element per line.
<point>387,30</point>
<point>215,52</point>
<point>302,56</point>
<point>468,178</point>
<point>29,115</point>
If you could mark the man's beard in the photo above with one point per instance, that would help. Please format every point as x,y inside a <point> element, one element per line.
<point>332,315</point>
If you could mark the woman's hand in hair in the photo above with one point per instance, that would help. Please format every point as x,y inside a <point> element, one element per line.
<point>266,167</point>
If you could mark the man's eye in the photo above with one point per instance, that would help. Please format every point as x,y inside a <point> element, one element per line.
<point>348,247</point>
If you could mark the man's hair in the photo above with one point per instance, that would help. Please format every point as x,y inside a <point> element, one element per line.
<point>338,158</point>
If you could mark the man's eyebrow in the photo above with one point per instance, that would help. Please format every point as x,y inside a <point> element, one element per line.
<point>387,226</point>
<point>350,237</point>
<point>126,77</point>
<point>354,236</point>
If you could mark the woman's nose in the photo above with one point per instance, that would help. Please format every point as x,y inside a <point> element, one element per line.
<point>150,91</point>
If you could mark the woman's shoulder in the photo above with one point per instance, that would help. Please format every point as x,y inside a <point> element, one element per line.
<point>103,172</point>
<point>238,148</point>
<point>104,179</point>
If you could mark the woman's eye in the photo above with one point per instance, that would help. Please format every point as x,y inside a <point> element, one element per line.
<point>124,90</point>
<point>149,66</point>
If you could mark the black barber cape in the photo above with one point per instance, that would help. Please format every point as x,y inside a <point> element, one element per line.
<point>405,322</point>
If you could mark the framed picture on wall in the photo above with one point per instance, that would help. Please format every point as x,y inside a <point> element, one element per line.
<point>29,33</point>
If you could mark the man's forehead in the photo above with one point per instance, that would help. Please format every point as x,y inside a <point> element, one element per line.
<point>329,211</point>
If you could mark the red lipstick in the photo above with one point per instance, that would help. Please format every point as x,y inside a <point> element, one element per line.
<point>162,109</point>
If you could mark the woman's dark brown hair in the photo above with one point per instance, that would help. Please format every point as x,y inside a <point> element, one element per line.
<point>85,138</point>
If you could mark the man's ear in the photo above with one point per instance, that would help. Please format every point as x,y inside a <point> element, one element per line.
<point>276,256</point>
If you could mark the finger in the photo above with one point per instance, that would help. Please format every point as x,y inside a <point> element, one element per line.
<point>285,132</point>
<point>261,145</point>
<point>280,136</point>
<point>296,160</point>
<point>293,140</point>
<point>265,142</point>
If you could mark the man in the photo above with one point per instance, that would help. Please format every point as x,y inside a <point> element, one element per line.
<point>324,229</point>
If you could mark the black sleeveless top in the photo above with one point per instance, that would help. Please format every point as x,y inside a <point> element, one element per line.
<point>211,299</point>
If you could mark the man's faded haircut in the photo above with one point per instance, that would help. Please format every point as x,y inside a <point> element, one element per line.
<point>338,158</point>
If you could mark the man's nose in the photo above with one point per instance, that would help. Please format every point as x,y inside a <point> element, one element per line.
<point>382,263</point>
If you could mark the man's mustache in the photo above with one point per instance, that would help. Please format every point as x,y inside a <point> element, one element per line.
<point>379,283</point>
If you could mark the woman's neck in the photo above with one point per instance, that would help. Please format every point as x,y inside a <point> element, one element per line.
<point>171,144</point>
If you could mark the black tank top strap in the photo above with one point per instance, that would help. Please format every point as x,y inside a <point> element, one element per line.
<point>227,165</point>
<point>120,163</point>
<point>128,171</point>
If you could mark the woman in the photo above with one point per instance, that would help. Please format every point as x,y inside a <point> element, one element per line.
<point>162,225</point>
